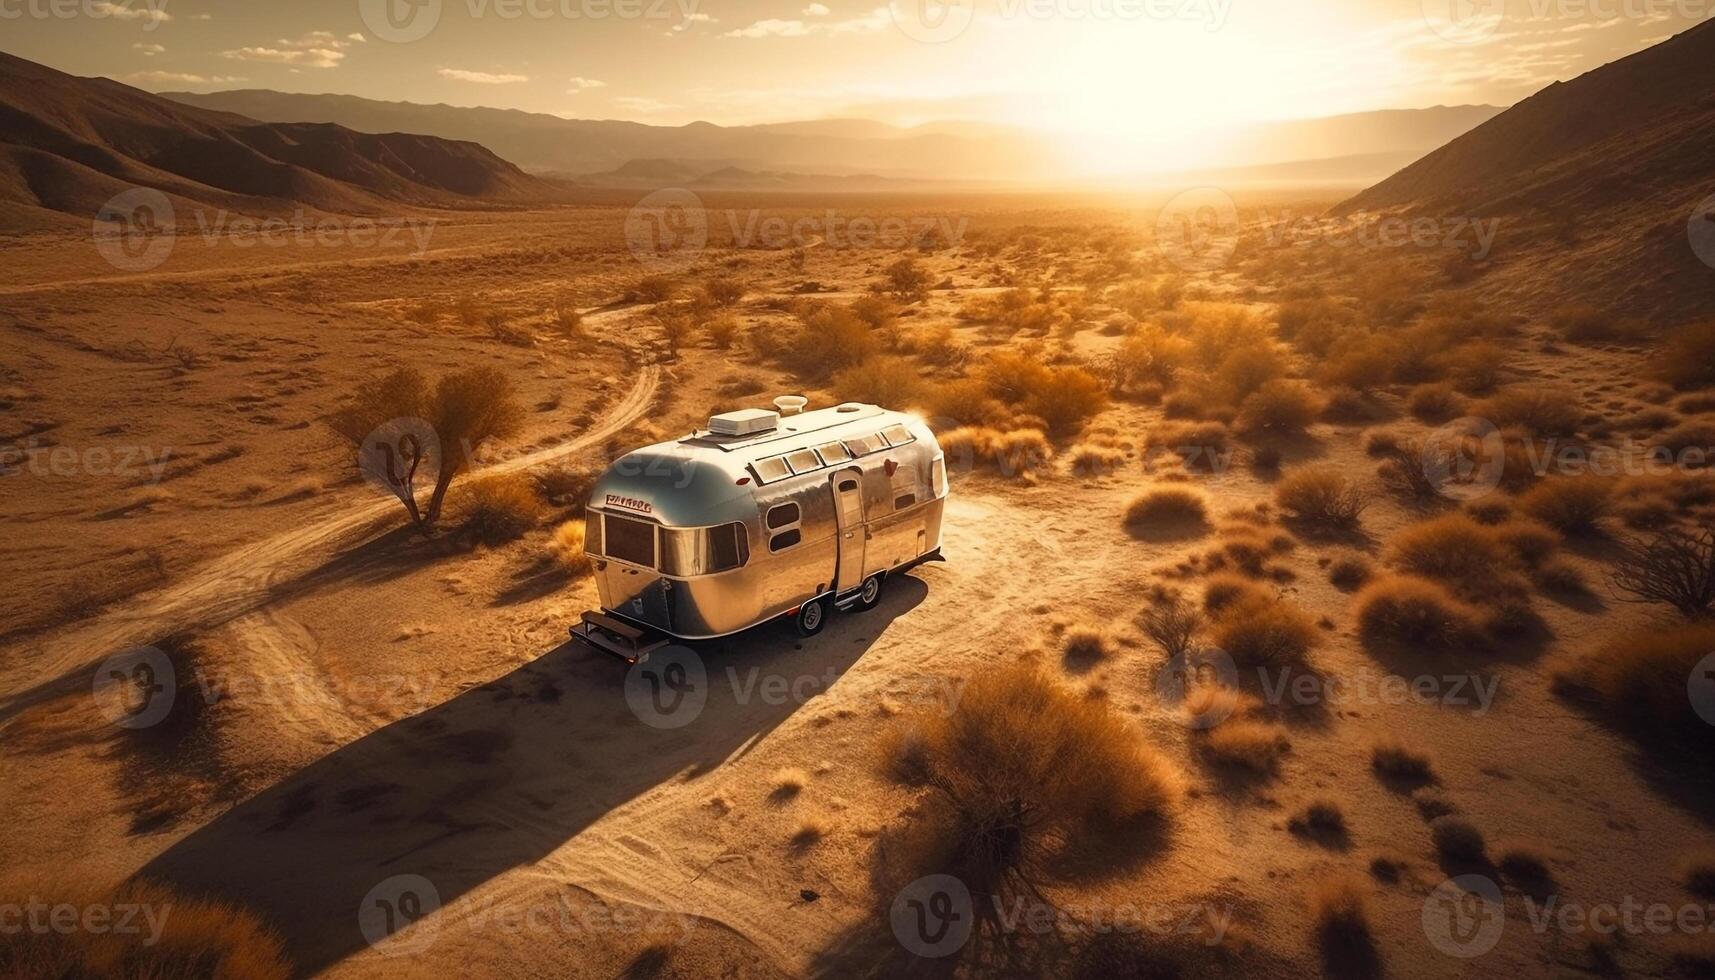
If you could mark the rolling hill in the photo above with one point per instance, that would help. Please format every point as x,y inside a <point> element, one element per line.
<point>1595,179</point>
<point>67,144</point>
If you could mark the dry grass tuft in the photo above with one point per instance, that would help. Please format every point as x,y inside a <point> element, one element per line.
<point>498,509</point>
<point>1261,630</point>
<point>1340,917</point>
<point>1280,406</point>
<point>1571,505</point>
<point>1458,841</point>
<point>1538,409</point>
<point>1255,746</point>
<point>1400,764</point>
<point>1167,508</point>
<point>1524,861</point>
<point>197,939</point>
<point>1639,681</point>
<point>1322,495</point>
<point>1018,453</point>
<point>567,547</point>
<point>788,783</point>
<point>1349,573</point>
<point>1407,612</point>
<point>1086,645</point>
<point>1687,359</point>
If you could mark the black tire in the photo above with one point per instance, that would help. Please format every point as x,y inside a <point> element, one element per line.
<point>870,595</point>
<point>812,616</point>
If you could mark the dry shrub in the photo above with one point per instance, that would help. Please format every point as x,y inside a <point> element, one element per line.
<point>1475,369</point>
<point>567,547</point>
<point>721,330</point>
<point>1585,324</point>
<point>1093,459</point>
<point>788,783</point>
<point>1458,841</point>
<point>1086,644</point>
<point>1691,444</point>
<point>1639,680</point>
<point>1349,407</point>
<point>1149,357</point>
<point>1065,398</point>
<point>652,289</point>
<point>1321,495</point>
<point>1225,588</point>
<point>1435,402</point>
<point>1538,409</point>
<point>827,339</point>
<point>1247,369</point>
<point>498,509</point>
<point>1698,874</point>
<point>1200,444</point>
<point>1571,505</point>
<point>723,292</point>
<point>198,939</point>
<point>1319,818</point>
<point>1524,861</point>
<point>1349,572</point>
<point>1260,630</point>
<point>1256,746</point>
<point>1676,568</point>
<point>888,380</point>
<point>1562,577</point>
<point>1687,359</point>
<point>1167,506</point>
<point>1531,542</point>
<point>1280,406</point>
<point>1020,452</point>
<point>1019,771</point>
<point>1402,611</point>
<point>1209,705</point>
<point>1400,764</point>
<point>1340,919</point>
<point>1172,622</point>
<point>1463,555</point>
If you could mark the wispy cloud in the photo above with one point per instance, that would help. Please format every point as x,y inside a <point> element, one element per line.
<point>875,21</point>
<point>316,49</point>
<point>644,105</point>
<point>180,78</point>
<point>481,77</point>
<point>149,50</point>
<point>130,11</point>
<point>690,19</point>
<point>579,84</point>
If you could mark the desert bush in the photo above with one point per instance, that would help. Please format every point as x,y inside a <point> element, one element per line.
<point>1524,861</point>
<point>567,319</point>
<point>1434,402</point>
<point>828,339</point>
<point>1200,444</point>
<point>1319,818</point>
<point>1340,911</point>
<point>1397,762</point>
<point>498,509</point>
<point>651,289</point>
<point>721,330</point>
<point>1225,589</point>
<point>1259,630</point>
<point>1475,368</point>
<point>1639,681</point>
<point>936,345</point>
<point>1148,357</point>
<point>1698,874</point>
<point>1571,505</point>
<point>1247,744</point>
<point>1687,359</point>
<point>1359,362</point>
<point>1086,644</point>
<point>1349,572</point>
<point>1092,459</point>
<point>1406,612</point>
<point>907,280</point>
<point>567,548</point>
<point>1065,398</point>
<point>1245,370</point>
<point>1458,552</point>
<point>1458,841</point>
<point>198,939</point>
<point>1583,324</point>
<point>1019,452</point>
<point>1280,406</point>
<point>466,409</point>
<point>1348,406</point>
<point>723,292</point>
<point>1015,772</point>
<point>1538,409</point>
<point>1675,568</point>
<point>1172,623</point>
<point>1691,443</point>
<point>1167,506</point>
<point>1531,542</point>
<point>887,380</point>
<point>1312,325</point>
<point>1321,495</point>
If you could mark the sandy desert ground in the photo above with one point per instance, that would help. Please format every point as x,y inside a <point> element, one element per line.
<point>366,719</point>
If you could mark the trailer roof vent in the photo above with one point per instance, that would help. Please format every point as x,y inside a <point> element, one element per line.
<point>791,404</point>
<point>747,422</point>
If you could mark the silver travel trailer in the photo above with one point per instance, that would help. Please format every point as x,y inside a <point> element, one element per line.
<point>764,514</point>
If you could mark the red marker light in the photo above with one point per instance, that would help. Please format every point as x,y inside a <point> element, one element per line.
<point>743,481</point>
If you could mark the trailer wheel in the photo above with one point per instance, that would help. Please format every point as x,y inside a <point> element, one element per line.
<point>870,596</point>
<point>812,616</point>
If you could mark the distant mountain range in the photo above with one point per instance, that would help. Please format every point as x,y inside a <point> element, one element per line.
<point>68,144</point>
<point>942,152</point>
<point>1596,179</point>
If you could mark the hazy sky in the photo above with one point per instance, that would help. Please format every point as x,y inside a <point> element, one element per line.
<point>1090,66</point>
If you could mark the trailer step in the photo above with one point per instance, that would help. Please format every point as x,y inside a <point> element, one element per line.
<point>618,638</point>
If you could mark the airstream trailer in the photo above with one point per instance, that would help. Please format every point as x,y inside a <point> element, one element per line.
<point>764,514</point>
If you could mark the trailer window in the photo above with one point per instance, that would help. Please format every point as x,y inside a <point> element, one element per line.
<point>803,461</point>
<point>897,435</point>
<point>783,515</point>
<point>630,541</point>
<point>785,539</point>
<point>729,548</point>
<point>771,470</point>
<point>833,452</point>
<point>592,532</point>
<point>939,475</point>
<point>864,445</point>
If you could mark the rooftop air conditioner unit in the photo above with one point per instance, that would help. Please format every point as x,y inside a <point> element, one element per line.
<point>747,422</point>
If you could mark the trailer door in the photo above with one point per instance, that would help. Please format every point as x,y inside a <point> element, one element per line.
<point>848,507</point>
